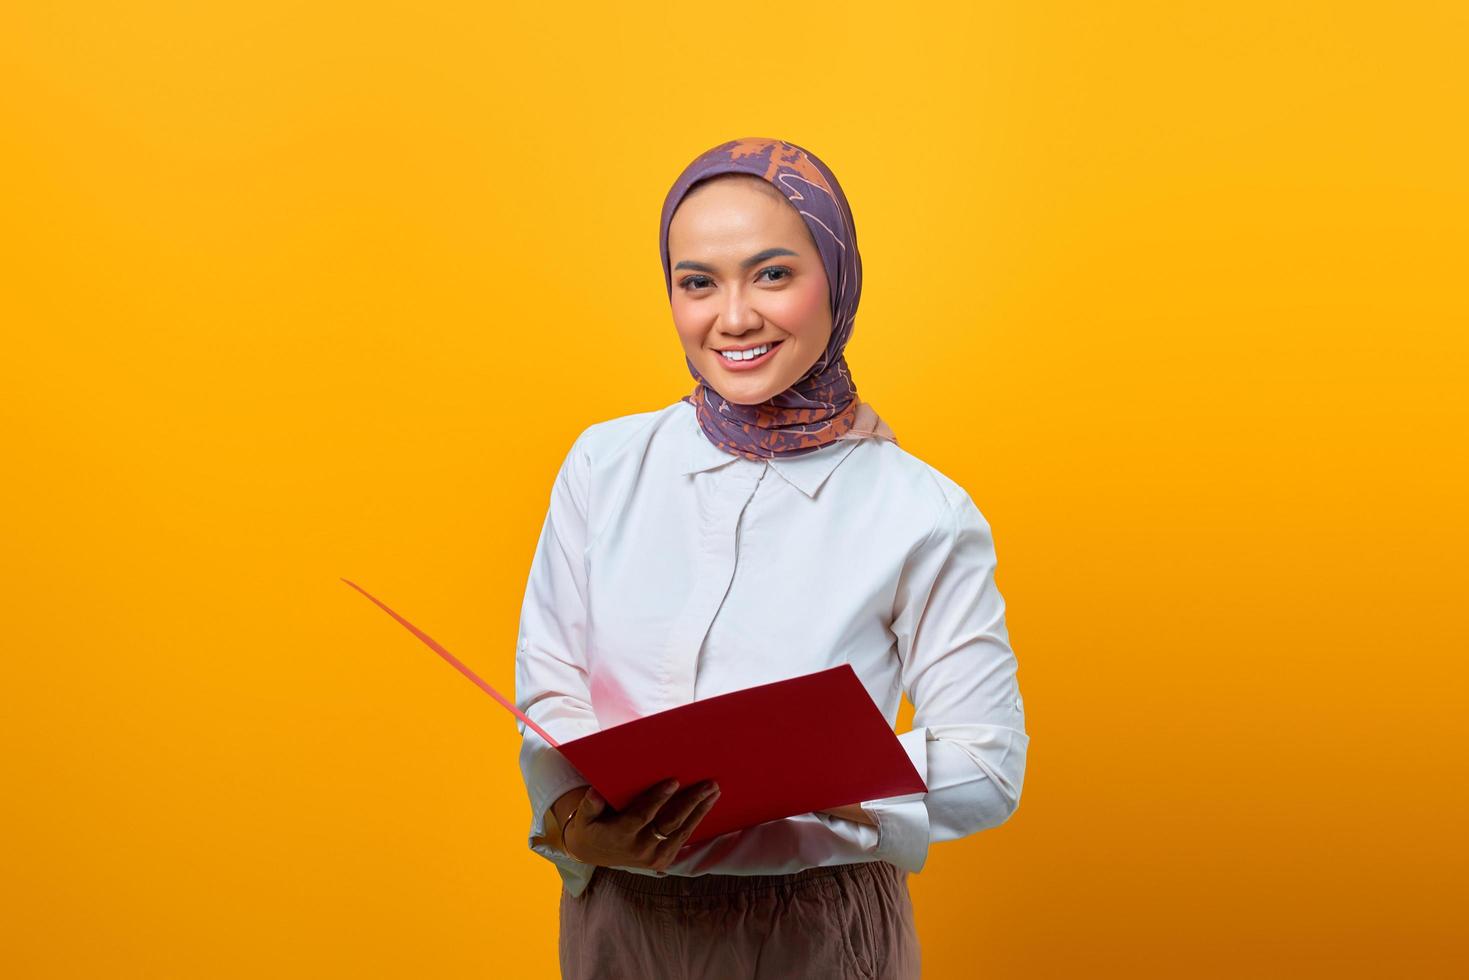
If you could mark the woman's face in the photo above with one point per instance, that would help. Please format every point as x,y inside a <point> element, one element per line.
<point>746,274</point>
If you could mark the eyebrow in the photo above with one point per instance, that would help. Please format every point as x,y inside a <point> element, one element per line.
<point>755,259</point>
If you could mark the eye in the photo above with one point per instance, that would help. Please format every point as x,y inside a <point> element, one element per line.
<point>689,283</point>
<point>775,268</point>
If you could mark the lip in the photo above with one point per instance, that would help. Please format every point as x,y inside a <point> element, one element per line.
<point>751,364</point>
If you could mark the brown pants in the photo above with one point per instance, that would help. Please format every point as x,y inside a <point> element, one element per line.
<point>841,921</point>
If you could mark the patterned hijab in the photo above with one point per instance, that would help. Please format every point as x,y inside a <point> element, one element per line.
<point>822,406</point>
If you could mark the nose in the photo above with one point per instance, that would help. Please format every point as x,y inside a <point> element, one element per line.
<point>740,315</point>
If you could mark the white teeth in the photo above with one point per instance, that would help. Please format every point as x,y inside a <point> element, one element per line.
<point>745,355</point>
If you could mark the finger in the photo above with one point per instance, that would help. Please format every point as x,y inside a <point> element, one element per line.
<point>677,809</point>
<point>645,807</point>
<point>666,851</point>
<point>592,803</point>
<point>686,829</point>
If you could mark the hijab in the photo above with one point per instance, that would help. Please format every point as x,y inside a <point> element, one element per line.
<point>822,405</point>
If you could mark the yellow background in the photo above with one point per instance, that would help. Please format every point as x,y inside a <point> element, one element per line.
<point>299,291</point>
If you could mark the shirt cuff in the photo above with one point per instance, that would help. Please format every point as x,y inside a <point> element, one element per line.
<point>902,821</point>
<point>547,774</point>
<point>575,875</point>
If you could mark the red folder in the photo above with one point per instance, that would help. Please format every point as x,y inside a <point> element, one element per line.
<point>790,747</point>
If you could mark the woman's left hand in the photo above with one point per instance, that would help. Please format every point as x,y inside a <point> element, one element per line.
<point>852,811</point>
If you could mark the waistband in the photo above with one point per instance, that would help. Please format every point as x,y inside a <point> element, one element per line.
<point>688,886</point>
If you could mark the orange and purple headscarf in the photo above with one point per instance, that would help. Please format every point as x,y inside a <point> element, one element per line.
<point>822,405</point>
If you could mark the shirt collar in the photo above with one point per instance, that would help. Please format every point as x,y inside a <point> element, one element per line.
<point>806,472</point>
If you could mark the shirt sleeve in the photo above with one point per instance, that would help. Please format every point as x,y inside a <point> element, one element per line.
<point>968,740</point>
<point>550,660</point>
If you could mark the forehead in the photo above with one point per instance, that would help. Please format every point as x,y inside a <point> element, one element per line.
<point>734,211</point>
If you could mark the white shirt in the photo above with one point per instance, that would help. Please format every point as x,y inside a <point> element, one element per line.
<point>669,570</point>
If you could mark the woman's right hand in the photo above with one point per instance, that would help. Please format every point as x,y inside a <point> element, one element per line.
<point>597,834</point>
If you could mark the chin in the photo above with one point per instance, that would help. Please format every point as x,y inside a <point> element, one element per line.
<point>746,388</point>
<point>739,397</point>
<point>746,396</point>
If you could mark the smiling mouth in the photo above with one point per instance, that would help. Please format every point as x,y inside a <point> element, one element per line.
<point>749,357</point>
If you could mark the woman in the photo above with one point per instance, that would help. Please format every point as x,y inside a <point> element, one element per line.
<point>765,526</point>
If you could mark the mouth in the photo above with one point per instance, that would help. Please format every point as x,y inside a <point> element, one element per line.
<point>749,363</point>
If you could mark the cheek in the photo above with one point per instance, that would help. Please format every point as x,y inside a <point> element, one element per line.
<point>803,310</point>
<point>686,322</point>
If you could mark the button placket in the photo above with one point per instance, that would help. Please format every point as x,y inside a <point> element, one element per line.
<point>730,490</point>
